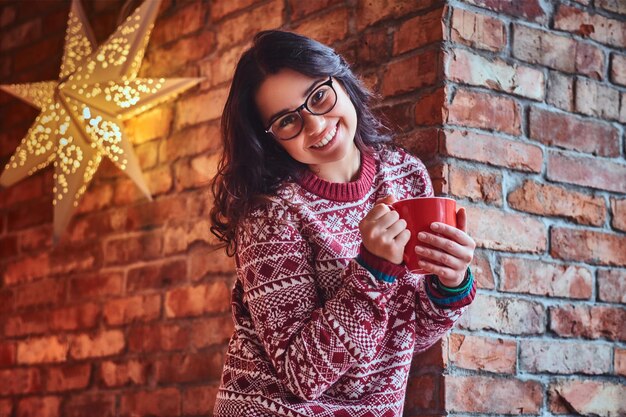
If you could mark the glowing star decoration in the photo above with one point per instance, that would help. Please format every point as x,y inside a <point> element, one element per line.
<point>82,113</point>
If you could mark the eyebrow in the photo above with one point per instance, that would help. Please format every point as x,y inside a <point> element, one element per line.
<point>306,93</point>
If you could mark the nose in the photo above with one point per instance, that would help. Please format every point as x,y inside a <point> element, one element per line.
<point>313,125</point>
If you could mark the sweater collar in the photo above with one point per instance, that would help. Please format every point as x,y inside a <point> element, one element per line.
<point>339,191</point>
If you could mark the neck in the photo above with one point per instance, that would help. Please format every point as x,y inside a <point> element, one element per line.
<point>341,171</point>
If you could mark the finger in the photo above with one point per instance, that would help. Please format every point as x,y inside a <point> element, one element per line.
<point>440,271</point>
<point>403,238</point>
<point>388,199</point>
<point>396,228</point>
<point>461,219</point>
<point>389,219</point>
<point>440,257</point>
<point>377,211</point>
<point>453,233</point>
<point>446,245</point>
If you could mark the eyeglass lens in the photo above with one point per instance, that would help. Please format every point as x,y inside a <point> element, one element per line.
<point>320,101</point>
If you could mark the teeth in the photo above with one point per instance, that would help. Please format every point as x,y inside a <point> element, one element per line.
<point>326,139</point>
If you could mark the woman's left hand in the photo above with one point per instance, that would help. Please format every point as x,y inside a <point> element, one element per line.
<point>452,250</point>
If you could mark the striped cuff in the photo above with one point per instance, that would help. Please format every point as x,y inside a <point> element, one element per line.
<point>451,297</point>
<point>381,269</point>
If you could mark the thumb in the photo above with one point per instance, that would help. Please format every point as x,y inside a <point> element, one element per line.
<point>461,219</point>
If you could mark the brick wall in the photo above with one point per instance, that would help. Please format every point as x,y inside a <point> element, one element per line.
<point>518,108</point>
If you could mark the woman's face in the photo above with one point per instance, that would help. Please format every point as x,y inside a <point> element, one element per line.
<point>325,138</point>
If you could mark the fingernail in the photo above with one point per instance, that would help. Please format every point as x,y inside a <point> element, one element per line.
<point>422,235</point>
<point>434,226</point>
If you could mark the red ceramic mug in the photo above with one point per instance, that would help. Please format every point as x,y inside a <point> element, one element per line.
<point>419,213</point>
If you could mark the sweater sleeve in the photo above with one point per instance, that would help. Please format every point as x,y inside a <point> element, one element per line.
<point>310,344</point>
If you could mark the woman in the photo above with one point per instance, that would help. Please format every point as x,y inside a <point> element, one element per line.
<point>327,318</point>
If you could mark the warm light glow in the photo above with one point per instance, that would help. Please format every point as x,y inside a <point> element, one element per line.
<point>82,113</point>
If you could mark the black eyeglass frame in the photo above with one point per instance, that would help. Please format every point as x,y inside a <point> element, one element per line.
<point>329,83</point>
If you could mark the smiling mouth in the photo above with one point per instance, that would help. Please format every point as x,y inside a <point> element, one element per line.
<point>326,139</point>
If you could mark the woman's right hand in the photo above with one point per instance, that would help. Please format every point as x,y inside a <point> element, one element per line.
<point>383,232</point>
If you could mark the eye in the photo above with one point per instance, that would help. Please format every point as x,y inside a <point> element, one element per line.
<point>286,121</point>
<point>318,96</point>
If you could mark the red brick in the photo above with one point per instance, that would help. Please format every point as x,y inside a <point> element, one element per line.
<point>27,269</point>
<point>179,55</point>
<point>374,46</point>
<point>482,394</point>
<point>487,111</point>
<point>612,285</point>
<point>560,91</point>
<point>38,407</point>
<point>31,322</point>
<point>159,180</point>
<point>504,315</point>
<point>211,331</point>
<point>95,199</point>
<point>200,400</point>
<point>301,9</point>
<point>244,26</point>
<point>470,68</point>
<point>618,69</point>
<point>219,71</point>
<point>223,8</point>
<point>542,278</point>
<point>6,406</point>
<point>154,213</point>
<point>29,188</point>
<point>596,99</point>
<point>329,27</point>
<point>588,246</point>
<point>164,402</point>
<point>199,108</point>
<point>612,5</point>
<point>602,29</point>
<point>20,35</point>
<point>126,192</point>
<point>104,343</point>
<point>34,54</point>
<point>149,125</point>
<point>178,235</point>
<point>160,337</point>
<point>33,213</point>
<point>622,112</point>
<point>134,248</point>
<point>23,381</point>
<point>8,248</point>
<point>481,270</point>
<point>68,377</point>
<point>44,292</point>
<point>433,357</point>
<point>492,150</point>
<point>552,200</point>
<point>422,142</point>
<point>196,172</point>
<point>476,184</point>
<point>588,172</point>
<point>184,20</point>
<point>620,361</point>
<point>192,141</point>
<point>156,275</point>
<point>528,10</point>
<point>618,211</point>
<point>98,285</point>
<point>193,301</point>
<point>557,129</point>
<point>7,15</point>
<point>483,353</point>
<point>204,366</point>
<point>410,73</point>
<point>91,404</point>
<point>42,350</point>
<point>557,357</point>
<point>117,374</point>
<point>428,109</point>
<point>478,31</point>
<point>557,52</point>
<point>205,261</point>
<point>83,316</point>
<point>588,321</point>
<point>494,229</point>
<point>587,398</point>
<point>132,309</point>
<point>419,31</point>
<point>424,392</point>
<point>371,12</point>
<point>8,354</point>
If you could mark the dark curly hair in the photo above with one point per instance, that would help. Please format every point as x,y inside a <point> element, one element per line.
<point>253,164</point>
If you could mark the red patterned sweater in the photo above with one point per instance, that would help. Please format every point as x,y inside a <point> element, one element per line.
<point>323,327</point>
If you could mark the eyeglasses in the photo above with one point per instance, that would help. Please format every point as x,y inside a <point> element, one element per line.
<point>320,101</point>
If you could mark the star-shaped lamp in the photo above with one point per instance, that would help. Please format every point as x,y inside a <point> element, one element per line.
<point>82,114</point>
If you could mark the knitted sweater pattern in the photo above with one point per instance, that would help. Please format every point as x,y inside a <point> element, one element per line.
<point>315,333</point>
